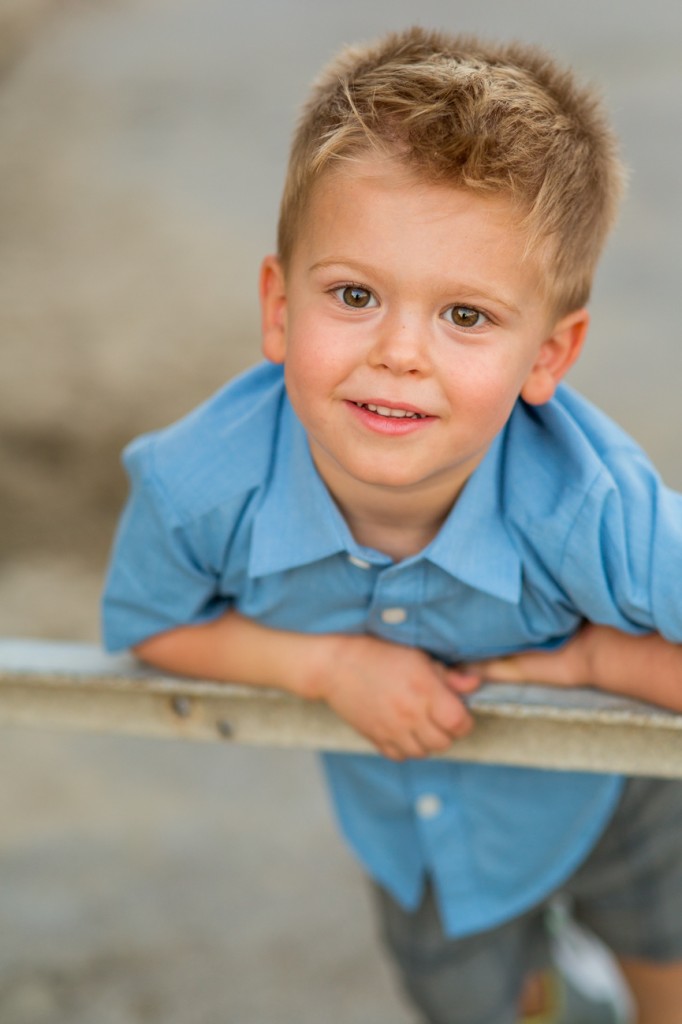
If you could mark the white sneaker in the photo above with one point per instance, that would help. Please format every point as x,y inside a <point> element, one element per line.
<point>590,986</point>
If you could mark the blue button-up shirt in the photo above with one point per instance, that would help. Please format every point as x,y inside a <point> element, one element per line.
<point>564,520</point>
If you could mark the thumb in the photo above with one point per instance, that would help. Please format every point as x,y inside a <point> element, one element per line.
<point>463,679</point>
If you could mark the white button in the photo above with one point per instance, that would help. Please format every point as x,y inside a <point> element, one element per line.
<point>429,805</point>
<point>393,616</point>
<point>359,563</point>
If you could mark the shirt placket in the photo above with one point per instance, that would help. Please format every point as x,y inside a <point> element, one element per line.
<point>431,790</point>
<point>394,610</point>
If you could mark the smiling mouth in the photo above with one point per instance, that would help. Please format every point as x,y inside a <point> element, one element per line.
<point>384,410</point>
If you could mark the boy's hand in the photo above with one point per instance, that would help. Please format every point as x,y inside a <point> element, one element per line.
<point>570,665</point>
<point>645,667</point>
<point>402,700</point>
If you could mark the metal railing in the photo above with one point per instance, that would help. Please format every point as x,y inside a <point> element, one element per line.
<point>78,687</point>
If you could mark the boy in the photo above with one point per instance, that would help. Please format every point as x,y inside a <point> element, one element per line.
<point>409,494</point>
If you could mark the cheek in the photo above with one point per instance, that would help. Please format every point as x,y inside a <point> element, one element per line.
<point>481,379</point>
<point>316,358</point>
<point>488,389</point>
<point>308,381</point>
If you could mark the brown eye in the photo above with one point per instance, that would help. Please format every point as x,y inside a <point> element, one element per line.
<point>465,316</point>
<point>356,297</point>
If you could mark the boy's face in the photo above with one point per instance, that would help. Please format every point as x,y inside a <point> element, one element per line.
<point>409,323</point>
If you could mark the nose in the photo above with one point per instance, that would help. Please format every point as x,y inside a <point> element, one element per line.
<point>401,345</point>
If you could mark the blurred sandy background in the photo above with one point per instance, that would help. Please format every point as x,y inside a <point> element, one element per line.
<point>142,148</point>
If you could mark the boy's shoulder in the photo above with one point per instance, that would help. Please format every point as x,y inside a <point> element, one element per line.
<point>219,451</point>
<point>569,438</point>
<point>564,453</point>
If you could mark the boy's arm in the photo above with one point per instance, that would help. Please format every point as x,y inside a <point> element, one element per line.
<point>403,701</point>
<point>647,668</point>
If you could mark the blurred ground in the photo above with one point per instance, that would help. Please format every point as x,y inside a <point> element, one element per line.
<point>142,147</point>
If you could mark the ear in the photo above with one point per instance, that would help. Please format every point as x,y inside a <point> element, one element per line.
<point>273,305</point>
<point>557,355</point>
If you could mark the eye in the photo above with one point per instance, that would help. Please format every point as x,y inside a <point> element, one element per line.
<point>355,296</point>
<point>465,316</point>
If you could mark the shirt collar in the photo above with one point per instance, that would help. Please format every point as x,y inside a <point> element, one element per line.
<point>298,523</point>
<point>473,544</point>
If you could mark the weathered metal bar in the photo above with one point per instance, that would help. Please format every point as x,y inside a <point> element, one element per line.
<point>78,687</point>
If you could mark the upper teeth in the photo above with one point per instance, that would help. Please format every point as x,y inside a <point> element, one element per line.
<point>383,410</point>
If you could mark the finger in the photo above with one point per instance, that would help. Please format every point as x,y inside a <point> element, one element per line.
<point>498,669</point>
<point>433,739</point>
<point>391,751</point>
<point>449,714</point>
<point>416,744</point>
<point>463,679</point>
<point>553,668</point>
<point>466,727</point>
<point>403,748</point>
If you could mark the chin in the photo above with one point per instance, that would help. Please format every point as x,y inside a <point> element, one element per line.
<point>397,480</point>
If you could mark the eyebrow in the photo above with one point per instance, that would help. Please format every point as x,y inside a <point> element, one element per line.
<point>339,261</point>
<point>472,291</point>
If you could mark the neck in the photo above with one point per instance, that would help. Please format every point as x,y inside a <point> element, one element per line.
<point>400,522</point>
<point>397,540</point>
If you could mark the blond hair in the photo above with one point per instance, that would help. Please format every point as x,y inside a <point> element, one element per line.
<point>495,119</point>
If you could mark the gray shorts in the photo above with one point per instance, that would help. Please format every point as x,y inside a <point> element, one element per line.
<point>628,892</point>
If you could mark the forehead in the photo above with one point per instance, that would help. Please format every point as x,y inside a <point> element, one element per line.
<point>356,192</point>
<point>376,209</point>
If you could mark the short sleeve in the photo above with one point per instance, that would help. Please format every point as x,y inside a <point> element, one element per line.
<point>623,560</point>
<point>161,573</point>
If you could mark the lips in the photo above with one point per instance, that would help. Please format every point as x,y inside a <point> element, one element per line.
<point>391,412</point>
